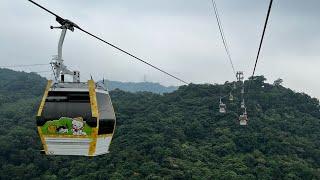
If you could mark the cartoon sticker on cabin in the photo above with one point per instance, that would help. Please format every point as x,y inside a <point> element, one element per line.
<point>62,129</point>
<point>77,126</point>
<point>67,126</point>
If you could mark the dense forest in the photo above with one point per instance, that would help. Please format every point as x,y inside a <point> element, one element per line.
<point>178,135</point>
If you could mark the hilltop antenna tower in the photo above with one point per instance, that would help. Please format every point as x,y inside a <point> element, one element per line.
<point>144,78</point>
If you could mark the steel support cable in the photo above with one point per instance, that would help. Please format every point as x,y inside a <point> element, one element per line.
<point>215,98</point>
<point>222,35</point>
<point>62,20</point>
<point>135,57</point>
<point>262,37</point>
<point>258,54</point>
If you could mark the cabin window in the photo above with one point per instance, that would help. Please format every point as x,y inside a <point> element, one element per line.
<point>106,126</point>
<point>106,114</point>
<point>67,104</point>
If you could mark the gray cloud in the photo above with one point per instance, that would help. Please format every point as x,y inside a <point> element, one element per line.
<point>179,36</point>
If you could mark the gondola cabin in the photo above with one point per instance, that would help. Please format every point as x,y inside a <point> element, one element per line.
<point>76,119</point>
<point>231,97</point>
<point>243,120</point>
<point>222,108</point>
<point>242,104</point>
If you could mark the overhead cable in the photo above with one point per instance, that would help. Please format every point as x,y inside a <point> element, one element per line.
<point>63,21</point>
<point>262,37</point>
<point>223,35</point>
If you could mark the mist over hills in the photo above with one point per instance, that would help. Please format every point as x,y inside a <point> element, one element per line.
<point>111,85</point>
<point>140,87</point>
<point>177,135</point>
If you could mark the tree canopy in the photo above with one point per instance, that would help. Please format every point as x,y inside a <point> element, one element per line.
<point>178,135</point>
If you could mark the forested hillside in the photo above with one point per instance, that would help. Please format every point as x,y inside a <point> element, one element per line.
<point>178,135</point>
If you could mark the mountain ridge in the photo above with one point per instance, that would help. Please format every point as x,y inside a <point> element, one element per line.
<point>139,86</point>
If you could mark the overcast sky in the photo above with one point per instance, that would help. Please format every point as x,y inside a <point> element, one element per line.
<point>179,36</point>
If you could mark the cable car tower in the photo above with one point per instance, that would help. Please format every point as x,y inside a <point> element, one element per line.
<point>243,119</point>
